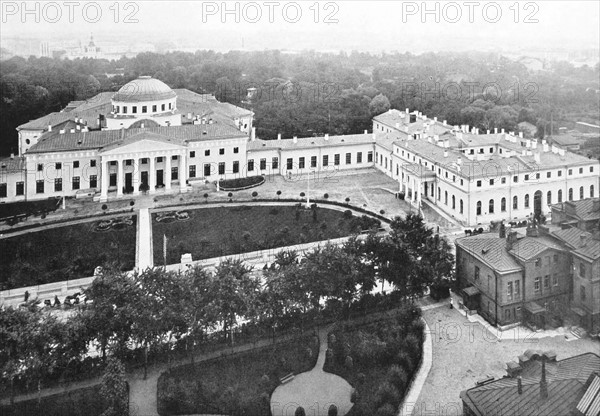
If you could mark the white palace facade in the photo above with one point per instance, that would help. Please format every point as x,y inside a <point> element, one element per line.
<point>150,138</point>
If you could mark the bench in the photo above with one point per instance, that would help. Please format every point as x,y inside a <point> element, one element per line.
<point>287,378</point>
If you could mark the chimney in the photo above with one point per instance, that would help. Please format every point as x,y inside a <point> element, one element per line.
<point>519,385</point>
<point>511,239</point>
<point>527,142</point>
<point>561,152</point>
<point>435,119</point>
<point>459,160</point>
<point>459,135</point>
<point>72,130</point>
<point>502,130</point>
<point>445,153</point>
<point>488,132</point>
<point>543,382</point>
<point>278,136</point>
<point>142,125</point>
<point>49,127</point>
<point>495,130</point>
<point>407,111</point>
<point>327,137</point>
<point>78,127</point>
<point>536,157</point>
<point>521,134</point>
<point>445,122</point>
<point>295,139</point>
<point>61,131</point>
<point>252,133</point>
<point>534,144</point>
<point>397,125</point>
<point>446,143</point>
<point>189,116</point>
<point>12,155</point>
<point>366,132</point>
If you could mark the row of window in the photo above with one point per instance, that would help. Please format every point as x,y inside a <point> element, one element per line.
<point>144,108</point>
<point>128,162</point>
<point>537,283</point>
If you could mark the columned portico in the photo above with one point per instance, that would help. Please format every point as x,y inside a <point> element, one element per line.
<point>120,176</point>
<point>167,173</point>
<point>182,172</point>
<point>152,175</point>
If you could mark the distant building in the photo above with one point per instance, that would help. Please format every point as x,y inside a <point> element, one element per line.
<point>539,385</point>
<point>532,64</point>
<point>587,127</point>
<point>565,141</point>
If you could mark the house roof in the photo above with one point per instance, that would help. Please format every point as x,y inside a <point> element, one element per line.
<point>12,164</point>
<point>528,248</point>
<point>589,248</point>
<point>567,383</point>
<point>310,142</point>
<point>582,209</point>
<point>491,250</point>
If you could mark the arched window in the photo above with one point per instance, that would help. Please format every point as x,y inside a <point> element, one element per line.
<point>527,201</point>
<point>591,191</point>
<point>453,202</point>
<point>503,205</point>
<point>560,195</point>
<point>491,210</point>
<point>581,192</point>
<point>439,193</point>
<point>515,202</point>
<point>446,197</point>
<point>549,198</point>
<point>461,206</point>
<point>570,194</point>
<point>478,207</point>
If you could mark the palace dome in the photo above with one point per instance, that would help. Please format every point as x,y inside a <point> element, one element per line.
<point>144,89</point>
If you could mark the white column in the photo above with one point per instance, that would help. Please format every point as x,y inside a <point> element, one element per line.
<point>135,177</point>
<point>104,181</point>
<point>151,175</point>
<point>120,176</point>
<point>419,193</point>
<point>183,172</point>
<point>167,174</point>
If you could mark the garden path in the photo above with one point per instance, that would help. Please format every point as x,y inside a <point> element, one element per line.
<point>145,255</point>
<point>314,390</point>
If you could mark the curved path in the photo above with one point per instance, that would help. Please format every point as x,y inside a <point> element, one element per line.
<point>314,390</point>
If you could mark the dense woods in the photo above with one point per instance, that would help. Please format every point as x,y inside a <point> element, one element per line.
<point>313,93</point>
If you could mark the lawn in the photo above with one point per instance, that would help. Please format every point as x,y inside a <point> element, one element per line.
<point>66,252</point>
<point>240,384</point>
<point>378,359</point>
<point>215,232</point>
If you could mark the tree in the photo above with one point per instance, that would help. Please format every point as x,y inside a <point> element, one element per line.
<point>379,104</point>
<point>114,389</point>
<point>278,194</point>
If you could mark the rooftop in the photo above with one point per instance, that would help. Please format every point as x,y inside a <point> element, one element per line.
<point>142,89</point>
<point>310,142</point>
<point>581,242</point>
<point>491,250</point>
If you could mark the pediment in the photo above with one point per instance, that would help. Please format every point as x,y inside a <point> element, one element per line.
<point>142,143</point>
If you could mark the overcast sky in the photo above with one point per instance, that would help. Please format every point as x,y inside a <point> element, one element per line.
<point>375,25</point>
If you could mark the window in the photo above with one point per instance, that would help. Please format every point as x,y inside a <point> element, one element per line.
<point>170,106</point>
<point>144,161</point>
<point>370,157</point>
<point>192,154</point>
<point>207,169</point>
<point>124,109</point>
<point>57,184</point>
<point>236,166</point>
<point>192,171</point>
<point>453,202</point>
<point>555,279</point>
<point>479,184</point>
<point>559,173</point>
<point>222,151</point>
<point>478,207</point>
<point>516,178</point>
<point>527,201</point>
<point>503,205</point>
<point>39,186</point>
<point>275,163</point>
<point>548,174</point>
<point>570,172</point>
<point>591,168</point>
<point>439,193</point>
<point>134,109</point>
<point>162,107</point>
<point>301,162</point>
<point>580,170</point>
<point>509,291</point>
<point>491,207</point>
<point>325,160</point>
<point>359,157</point>
<point>290,164</point>
<point>547,281</point>
<point>591,191</point>
<point>221,168</point>
<point>158,160</point>
<point>515,202</point>
<point>348,158</point>
<point>207,152</point>
<point>20,188</point>
<point>154,108</point>
<point>236,150</point>
<point>40,167</point>
<point>144,109</point>
<point>75,183</point>
<point>581,269</point>
<point>461,182</point>
<point>336,160</point>
<point>3,190</point>
<point>112,179</point>
<point>507,314</point>
<point>582,293</point>
<point>536,284</point>
<point>250,165</point>
<point>75,164</point>
<point>491,150</point>
<point>93,181</point>
<point>313,161</point>
<point>517,289</point>
<point>477,273</point>
<point>538,262</point>
<point>461,206</point>
<point>491,181</point>
<point>446,197</point>
<point>263,164</point>
<point>581,192</point>
<point>549,198</point>
<point>560,195</point>
<point>526,178</point>
<point>174,173</point>
<point>58,166</point>
<point>570,194</point>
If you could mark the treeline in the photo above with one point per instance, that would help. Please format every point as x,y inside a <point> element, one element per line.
<point>314,93</point>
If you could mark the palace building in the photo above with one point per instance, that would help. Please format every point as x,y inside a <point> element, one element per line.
<point>149,137</point>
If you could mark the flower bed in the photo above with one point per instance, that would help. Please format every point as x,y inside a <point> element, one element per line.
<point>378,359</point>
<point>240,184</point>
<point>237,384</point>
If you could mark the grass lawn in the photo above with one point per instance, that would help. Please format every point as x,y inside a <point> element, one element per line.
<point>214,232</point>
<point>378,359</point>
<point>241,384</point>
<point>62,253</point>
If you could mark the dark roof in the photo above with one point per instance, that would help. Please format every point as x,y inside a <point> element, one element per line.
<point>491,250</point>
<point>582,209</point>
<point>589,248</point>
<point>143,89</point>
<point>12,164</point>
<point>55,142</point>
<point>567,382</point>
<point>531,247</point>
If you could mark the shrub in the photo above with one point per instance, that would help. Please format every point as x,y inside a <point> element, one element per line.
<point>131,203</point>
<point>398,377</point>
<point>278,194</point>
<point>347,200</point>
<point>230,194</point>
<point>414,347</point>
<point>254,194</point>
<point>354,396</point>
<point>386,410</point>
<point>440,289</point>
<point>302,194</point>
<point>326,196</point>
<point>387,393</point>
<point>347,214</point>
<point>333,411</point>
<point>382,212</point>
<point>274,211</point>
<point>104,207</point>
<point>300,412</point>
<point>349,362</point>
<point>403,359</point>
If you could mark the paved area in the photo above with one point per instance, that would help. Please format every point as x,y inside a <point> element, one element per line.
<point>144,254</point>
<point>465,351</point>
<point>314,390</point>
